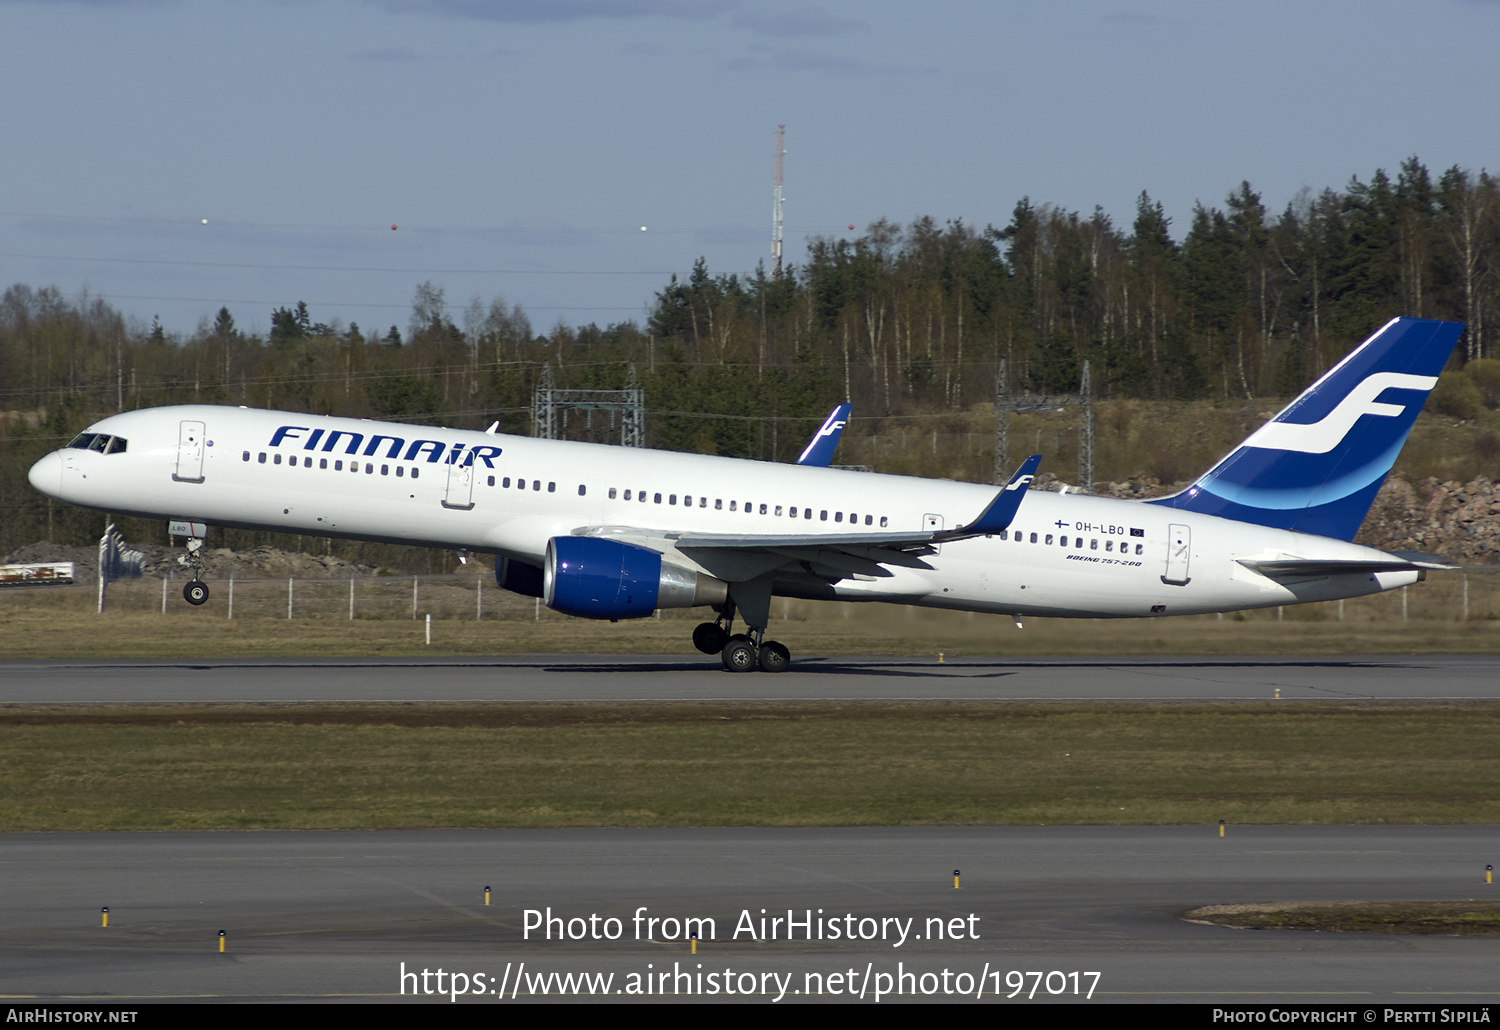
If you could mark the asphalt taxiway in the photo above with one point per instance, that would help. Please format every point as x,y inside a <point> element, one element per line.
<point>341,915</point>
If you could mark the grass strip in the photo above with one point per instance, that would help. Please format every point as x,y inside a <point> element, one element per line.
<point>174,767</point>
<point>1450,918</point>
<point>41,625</point>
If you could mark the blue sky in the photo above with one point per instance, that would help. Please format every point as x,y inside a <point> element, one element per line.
<point>520,145</point>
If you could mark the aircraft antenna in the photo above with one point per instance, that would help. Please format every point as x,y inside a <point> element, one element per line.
<point>776,206</point>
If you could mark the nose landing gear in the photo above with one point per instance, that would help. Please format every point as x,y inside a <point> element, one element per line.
<point>195,591</point>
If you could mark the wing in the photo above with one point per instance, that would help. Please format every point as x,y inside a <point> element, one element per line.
<point>736,557</point>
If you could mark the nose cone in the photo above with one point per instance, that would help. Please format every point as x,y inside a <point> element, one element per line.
<point>46,475</point>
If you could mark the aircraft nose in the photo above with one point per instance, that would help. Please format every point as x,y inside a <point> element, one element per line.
<point>46,474</point>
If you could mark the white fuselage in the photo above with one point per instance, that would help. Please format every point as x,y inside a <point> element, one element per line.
<point>1064,554</point>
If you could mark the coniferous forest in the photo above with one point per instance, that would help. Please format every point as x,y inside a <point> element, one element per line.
<point>907,321</point>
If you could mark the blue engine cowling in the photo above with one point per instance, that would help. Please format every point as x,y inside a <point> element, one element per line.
<point>608,579</point>
<point>519,578</point>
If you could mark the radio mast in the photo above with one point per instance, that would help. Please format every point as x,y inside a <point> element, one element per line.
<point>776,207</point>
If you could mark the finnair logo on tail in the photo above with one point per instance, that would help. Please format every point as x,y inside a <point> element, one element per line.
<point>831,426</point>
<point>1019,483</point>
<point>1328,432</point>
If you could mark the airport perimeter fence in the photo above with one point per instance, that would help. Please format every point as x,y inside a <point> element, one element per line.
<point>444,597</point>
<point>1445,596</point>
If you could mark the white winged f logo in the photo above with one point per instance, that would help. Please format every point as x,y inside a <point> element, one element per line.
<point>1324,435</point>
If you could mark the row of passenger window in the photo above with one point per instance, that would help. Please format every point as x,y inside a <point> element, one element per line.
<point>536,484</point>
<point>791,511</point>
<point>385,470</point>
<point>687,500</point>
<point>749,508</point>
<point>643,497</point>
<point>1062,540</point>
<point>338,464</point>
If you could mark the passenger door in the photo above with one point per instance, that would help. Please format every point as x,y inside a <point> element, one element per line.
<point>460,494</point>
<point>1179,549</point>
<point>189,453</point>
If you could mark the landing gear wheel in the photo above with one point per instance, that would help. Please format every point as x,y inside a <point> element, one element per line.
<point>739,654</point>
<point>195,592</point>
<point>710,638</point>
<point>774,657</point>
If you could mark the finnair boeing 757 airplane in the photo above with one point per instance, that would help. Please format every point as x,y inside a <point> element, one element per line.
<point>606,532</point>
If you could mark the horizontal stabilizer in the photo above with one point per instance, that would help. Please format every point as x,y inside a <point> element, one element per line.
<point>1296,568</point>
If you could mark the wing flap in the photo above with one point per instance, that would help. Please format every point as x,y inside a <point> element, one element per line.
<point>779,541</point>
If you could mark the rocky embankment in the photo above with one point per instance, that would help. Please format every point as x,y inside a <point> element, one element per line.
<point>219,562</point>
<point>1460,521</point>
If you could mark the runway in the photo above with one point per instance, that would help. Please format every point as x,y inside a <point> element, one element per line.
<point>657,678</point>
<point>334,915</point>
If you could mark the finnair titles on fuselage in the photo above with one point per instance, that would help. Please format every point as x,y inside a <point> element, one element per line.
<point>615,533</point>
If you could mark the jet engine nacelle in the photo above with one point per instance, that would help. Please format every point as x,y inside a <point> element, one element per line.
<point>519,577</point>
<point>606,579</point>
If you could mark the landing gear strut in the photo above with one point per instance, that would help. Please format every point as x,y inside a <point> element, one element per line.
<point>195,591</point>
<point>740,652</point>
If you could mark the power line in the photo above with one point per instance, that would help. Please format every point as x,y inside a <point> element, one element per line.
<point>349,304</point>
<point>108,382</point>
<point>328,268</point>
<point>385,227</point>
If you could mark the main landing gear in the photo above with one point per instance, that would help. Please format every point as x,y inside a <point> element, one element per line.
<point>741,652</point>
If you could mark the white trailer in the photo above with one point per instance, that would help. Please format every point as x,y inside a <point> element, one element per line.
<point>38,574</point>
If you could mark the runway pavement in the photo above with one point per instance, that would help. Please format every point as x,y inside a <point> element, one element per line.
<point>626,678</point>
<point>335,915</point>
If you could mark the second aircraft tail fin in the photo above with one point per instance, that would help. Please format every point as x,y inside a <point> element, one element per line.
<point>819,450</point>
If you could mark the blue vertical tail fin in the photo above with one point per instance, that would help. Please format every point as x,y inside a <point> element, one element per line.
<point>1316,467</point>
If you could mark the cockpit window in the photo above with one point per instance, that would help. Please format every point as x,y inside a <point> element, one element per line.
<point>101,442</point>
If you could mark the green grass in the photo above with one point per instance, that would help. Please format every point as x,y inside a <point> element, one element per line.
<point>690,764</point>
